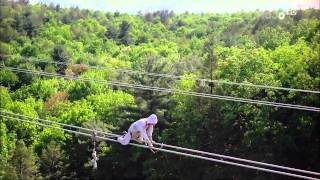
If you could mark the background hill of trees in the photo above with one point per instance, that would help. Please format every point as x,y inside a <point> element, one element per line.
<point>254,47</point>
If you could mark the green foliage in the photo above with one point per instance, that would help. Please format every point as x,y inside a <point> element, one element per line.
<point>4,152</point>
<point>7,172</point>
<point>78,113</point>
<point>24,161</point>
<point>30,51</point>
<point>5,48</point>
<point>7,143</point>
<point>27,78</point>
<point>52,162</point>
<point>271,38</point>
<point>124,36</point>
<point>249,47</point>
<point>60,55</point>
<point>42,89</point>
<point>8,78</point>
<point>46,136</point>
<point>81,89</point>
<point>5,98</point>
<point>24,130</point>
<point>110,105</point>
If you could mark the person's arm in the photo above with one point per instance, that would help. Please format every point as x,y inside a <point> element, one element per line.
<point>149,133</point>
<point>143,133</point>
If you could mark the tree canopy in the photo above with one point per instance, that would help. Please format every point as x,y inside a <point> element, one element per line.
<point>249,47</point>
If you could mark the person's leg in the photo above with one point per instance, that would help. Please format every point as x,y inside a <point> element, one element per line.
<point>124,140</point>
<point>137,137</point>
<point>140,139</point>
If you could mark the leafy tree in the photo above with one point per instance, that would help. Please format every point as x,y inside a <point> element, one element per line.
<point>54,100</point>
<point>79,112</point>
<point>30,51</point>
<point>4,150</point>
<point>7,172</point>
<point>112,33</point>
<point>5,49</point>
<point>109,105</point>
<point>148,17</point>
<point>271,38</point>
<point>249,47</point>
<point>81,89</point>
<point>210,59</point>
<point>5,98</point>
<point>27,78</point>
<point>124,36</point>
<point>24,161</point>
<point>52,161</point>
<point>43,89</point>
<point>24,130</point>
<point>31,22</point>
<point>60,55</point>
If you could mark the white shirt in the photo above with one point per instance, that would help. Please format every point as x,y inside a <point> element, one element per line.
<point>141,127</point>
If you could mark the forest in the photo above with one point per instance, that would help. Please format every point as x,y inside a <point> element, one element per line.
<point>255,48</point>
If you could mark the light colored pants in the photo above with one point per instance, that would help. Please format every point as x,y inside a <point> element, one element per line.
<point>125,139</point>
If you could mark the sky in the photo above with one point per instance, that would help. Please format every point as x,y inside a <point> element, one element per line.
<point>180,6</point>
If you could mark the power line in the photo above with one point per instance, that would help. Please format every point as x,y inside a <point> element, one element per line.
<point>173,152</point>
<point>180,77</point>
<point>171,146</point>
<point>170,90</point>
<point>152,88</point>
<point>166,145</point>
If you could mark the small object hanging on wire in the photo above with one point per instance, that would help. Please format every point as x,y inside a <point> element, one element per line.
<point>94,159</point>
<point>202,83</point>
<point>94,153</point>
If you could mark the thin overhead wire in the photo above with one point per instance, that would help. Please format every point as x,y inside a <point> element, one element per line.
<point>179,77</point>
<point>173,152</point>
<point>170,90</point>
<point>152,88</point>
<point>171,146</point>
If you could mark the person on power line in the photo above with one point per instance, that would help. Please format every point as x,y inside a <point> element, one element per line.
<point>140,131</point>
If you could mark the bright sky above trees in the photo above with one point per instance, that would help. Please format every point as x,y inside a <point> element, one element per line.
<point>197,6</point>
